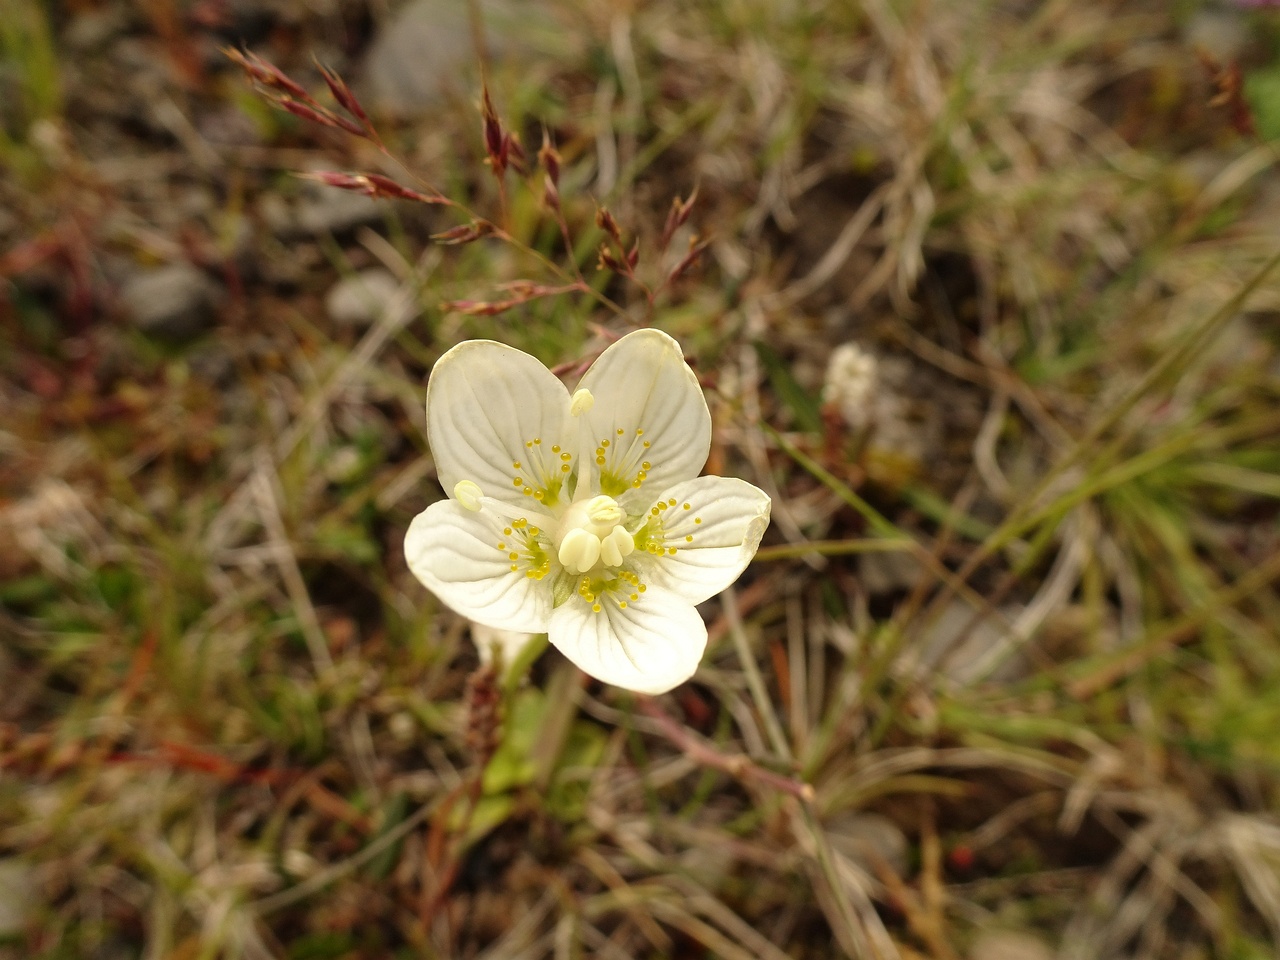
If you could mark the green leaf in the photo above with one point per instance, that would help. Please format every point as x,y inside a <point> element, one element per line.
<point>1262,92</point>
<point>512,764</point>
<point>803,407</point>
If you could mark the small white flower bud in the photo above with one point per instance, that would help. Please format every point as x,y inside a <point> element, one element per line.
<point>468,493</point>
<point>851,384</point>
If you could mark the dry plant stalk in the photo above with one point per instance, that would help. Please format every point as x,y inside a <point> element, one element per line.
<point>503,153</point>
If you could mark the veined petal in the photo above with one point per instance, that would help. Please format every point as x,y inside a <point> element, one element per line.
<point>650,424</point>
<point>454,553</point>
<point>499,418</point>
<point>648,647</point>
<point>704,533</point>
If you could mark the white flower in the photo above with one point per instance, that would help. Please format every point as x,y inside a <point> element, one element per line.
<point>852,380</point>
<point>582,515</point>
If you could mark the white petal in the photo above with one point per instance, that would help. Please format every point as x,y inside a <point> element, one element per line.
<point>649,646</point>
<point>454,553</point>
<point>733,514</point>
<point>486,404</point>
<point>642,383</point>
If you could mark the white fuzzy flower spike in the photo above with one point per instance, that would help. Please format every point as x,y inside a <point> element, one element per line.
<point>582,515</point>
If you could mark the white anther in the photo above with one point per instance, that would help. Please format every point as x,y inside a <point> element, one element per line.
<point>581,403</point>
<point>615,546</point>
<point>579,550</point>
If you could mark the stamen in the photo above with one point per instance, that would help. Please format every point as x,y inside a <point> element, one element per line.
<point>510,512</point>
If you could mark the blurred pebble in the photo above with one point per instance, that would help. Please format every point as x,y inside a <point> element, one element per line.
<point>175,302</point>
<point>330,210</point>
<point>358,300</point>
<point>1009,945</point>
<point>403,726</point>
<point>869,839</point>
<point>945,645</point>
<point>343,465</point>
<point>212,363</point>
<point>229,126</point>
<point>425,50</point>
<point>888,571</point>
<point>17,899</point>
<point>91,30</point>
<point>1223,34</point>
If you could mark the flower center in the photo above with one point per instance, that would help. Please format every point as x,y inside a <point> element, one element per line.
<point>591,533</point>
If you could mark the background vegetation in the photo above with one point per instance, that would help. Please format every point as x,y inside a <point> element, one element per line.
<point>1015,620</point>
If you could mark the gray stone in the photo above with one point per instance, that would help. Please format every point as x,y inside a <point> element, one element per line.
<point>213,363</point>
<point>92,30</point>
<point>945,645</point>
<point>869,840</point>
<point>17,896</point>
<point>176,302</point>
<point>887,572</point>
<point>1223,34</point>
<point>1009,945</point>
<point>426,51</point>
<point>358,300</point>
<point>343,464</point>
<point>331,210</point>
